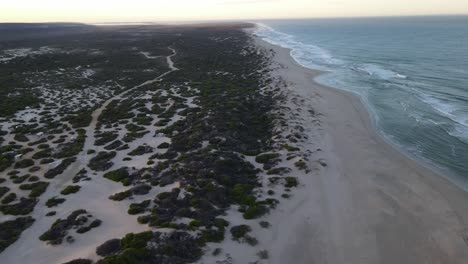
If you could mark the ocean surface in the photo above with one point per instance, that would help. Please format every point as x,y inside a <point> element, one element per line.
<point>411,72</point>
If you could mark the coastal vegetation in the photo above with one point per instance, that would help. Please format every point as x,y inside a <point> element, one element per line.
<point>187,149</point>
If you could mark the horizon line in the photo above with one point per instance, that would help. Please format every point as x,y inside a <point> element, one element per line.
<point>231,20</point>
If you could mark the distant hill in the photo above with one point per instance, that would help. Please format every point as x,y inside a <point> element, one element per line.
<point>17,31</point>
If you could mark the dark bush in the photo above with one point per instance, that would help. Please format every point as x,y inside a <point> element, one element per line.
<point>54,201</point>
<point>24,163</point>
<point>79,261</point>
<point>267,157</point>
<point>70,189</point>
<point>109,247</point>
<point>163,145</point>
<point>23,207</point>
<point>117,175</point>
<point>240,231</point>
<point>11,230</point>
<point>52,173</point>
<point>291,182</point>
<point>102,161</point>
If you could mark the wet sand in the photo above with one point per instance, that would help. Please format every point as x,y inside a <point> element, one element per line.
<point>370,203</point>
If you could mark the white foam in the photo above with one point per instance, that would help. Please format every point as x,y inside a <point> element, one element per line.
<point>459,132</point>
<point>447,109</point>
<point>307,55</point>
<point>380,72</point>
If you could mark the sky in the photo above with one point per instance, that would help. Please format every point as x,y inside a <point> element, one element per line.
<point>97,11</point>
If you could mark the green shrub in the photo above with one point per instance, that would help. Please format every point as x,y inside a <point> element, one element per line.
<point>138,240</point>
<point>54,201</point>
<point>301,165</point>
<point>102,161</point>
<point>291,182</point>
<point>195,223</point>
<point>11,230</point>
<point>290,148</point>
<point>117,175</point>
<point>267,157</point>
<point>221,223</point>
<point>52,173</point>
<point>138,208</point>
<point>21,138</point>
<point>240,231</point>
<point>70,189</point>
<point>9,198</point>
<point>3,190</point>
<point>23,207</point>
<point>120,196</point>
<point>37,188</point>
<point>163,145</point>
<point>255,211</point>
<point>212,235</point>
<point>24,163</point>
<point>264,224</point>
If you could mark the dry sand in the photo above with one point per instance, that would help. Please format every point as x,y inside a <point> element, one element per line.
<point>370,204</point>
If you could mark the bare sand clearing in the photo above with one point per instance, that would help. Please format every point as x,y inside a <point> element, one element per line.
<point>370,203</point>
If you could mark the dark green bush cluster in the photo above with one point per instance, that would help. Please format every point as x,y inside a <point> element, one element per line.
<point>290,148</point>
<point>52,173</point>
<point>138,208</point>
<point>104,138</point>
<point>54,201</point>
<point>59,229</point>
<point>116,111</point>
<point>72,148</point>
<point>80,119</point>
<point>133,249</point>
<point>23,207</point>
<point>37,188</point>
<point>3,190</point>
<point>240,231</point>
<point>11,230</point>
<point>102,161</point>
<point>267,157</point>
<point>21,138</point>
<point>119,175</point>
<point>24,163</point>
<point>140,150</point>
<point>301,164</point>
<point>9,198</point>
<point>70,189</point>
<point>175,247</point>
<point>291,182</point>
<point>120,196</point>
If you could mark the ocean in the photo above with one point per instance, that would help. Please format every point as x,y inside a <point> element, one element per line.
<point>410,72</point>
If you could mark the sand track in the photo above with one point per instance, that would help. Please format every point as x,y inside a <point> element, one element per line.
<point>93,197</point>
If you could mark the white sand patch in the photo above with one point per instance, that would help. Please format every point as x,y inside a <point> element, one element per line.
<point>148,55</point>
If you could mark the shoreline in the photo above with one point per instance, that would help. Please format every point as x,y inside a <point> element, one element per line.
<point>451,174</point>
<point>367,113</point>
<point>385,196</point>
<point>446,173</point>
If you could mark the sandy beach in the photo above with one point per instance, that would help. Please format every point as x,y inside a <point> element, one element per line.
<point>370,203</point>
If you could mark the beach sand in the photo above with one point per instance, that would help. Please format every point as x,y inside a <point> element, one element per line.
<point>370,203</point>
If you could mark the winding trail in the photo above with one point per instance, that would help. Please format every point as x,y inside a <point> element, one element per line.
<point>93,197</point>
<point>83,158</point>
